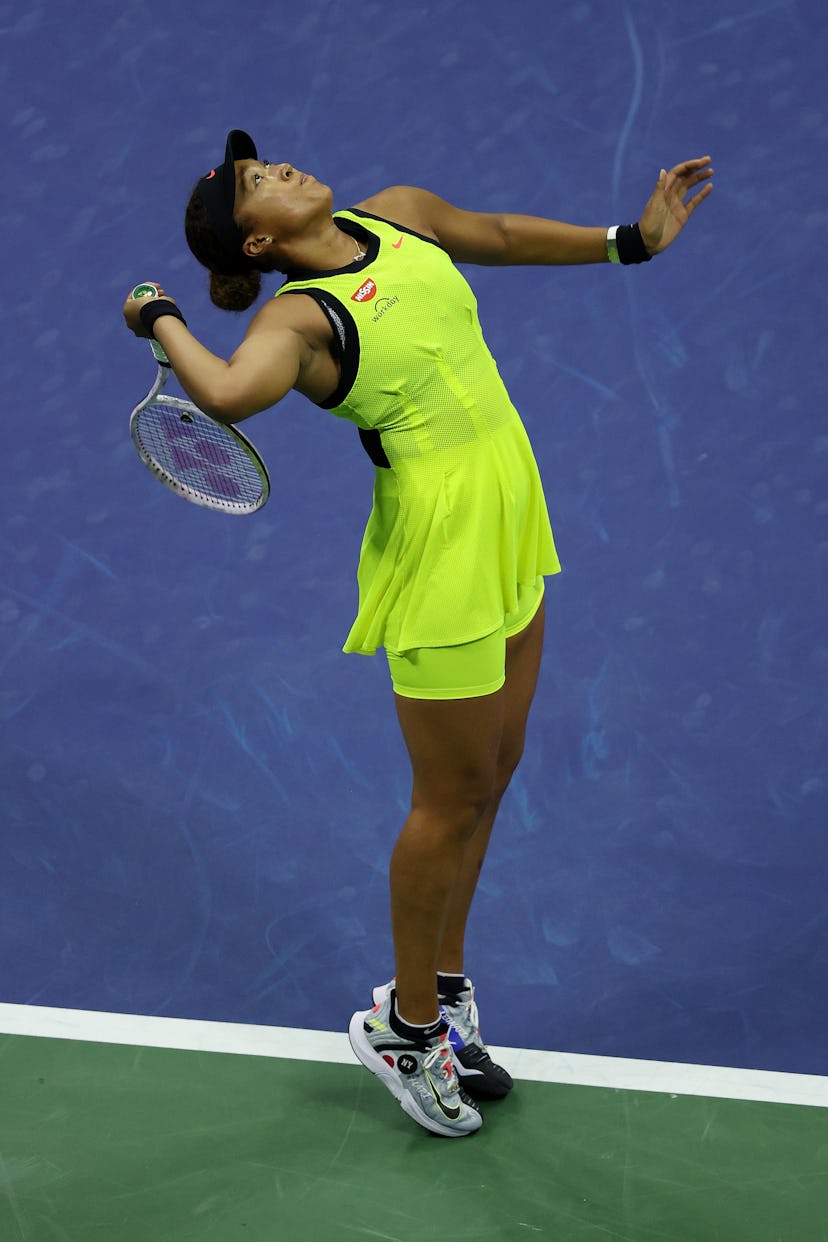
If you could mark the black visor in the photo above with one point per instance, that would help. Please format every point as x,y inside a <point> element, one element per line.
<point>218,194</point>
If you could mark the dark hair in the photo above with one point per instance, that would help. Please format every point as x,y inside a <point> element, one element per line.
<point>234,292</point>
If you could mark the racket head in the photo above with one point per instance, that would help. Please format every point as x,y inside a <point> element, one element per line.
<point>211,464</point>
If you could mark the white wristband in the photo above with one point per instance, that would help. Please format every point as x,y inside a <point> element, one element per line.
<point>612,245</point>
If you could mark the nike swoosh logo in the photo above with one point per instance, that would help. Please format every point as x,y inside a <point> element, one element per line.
<point>451,1113</point>
<point>397,244</point>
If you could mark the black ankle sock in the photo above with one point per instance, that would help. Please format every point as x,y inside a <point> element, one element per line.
<point>409,1030</point>
<point>449,987</point>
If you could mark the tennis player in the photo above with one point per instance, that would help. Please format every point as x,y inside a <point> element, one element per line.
<point>375,323</point>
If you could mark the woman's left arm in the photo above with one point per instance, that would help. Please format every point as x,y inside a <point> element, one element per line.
<point>514,240</point>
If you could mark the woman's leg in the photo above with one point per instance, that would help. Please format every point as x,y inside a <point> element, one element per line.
<point>523,657</point>
<point>454,747</point>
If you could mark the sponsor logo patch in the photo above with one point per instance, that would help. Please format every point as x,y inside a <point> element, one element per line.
<point>365,292</point>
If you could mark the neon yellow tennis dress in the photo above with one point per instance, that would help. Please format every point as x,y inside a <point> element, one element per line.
<point>459,517</point>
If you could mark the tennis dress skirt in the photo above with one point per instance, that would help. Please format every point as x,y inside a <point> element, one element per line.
<point>450,538</point>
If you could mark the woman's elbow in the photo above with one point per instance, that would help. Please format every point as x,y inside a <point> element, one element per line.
<point>230,405</point>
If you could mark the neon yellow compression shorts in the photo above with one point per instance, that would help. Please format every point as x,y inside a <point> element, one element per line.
<point>468,670</point>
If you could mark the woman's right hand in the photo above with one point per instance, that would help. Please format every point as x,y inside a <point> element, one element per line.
<point>132,310</point>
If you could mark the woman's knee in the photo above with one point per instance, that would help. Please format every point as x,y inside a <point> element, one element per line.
<point>456,816</point>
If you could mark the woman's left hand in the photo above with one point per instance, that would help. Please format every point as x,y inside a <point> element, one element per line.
<point>667,212</point>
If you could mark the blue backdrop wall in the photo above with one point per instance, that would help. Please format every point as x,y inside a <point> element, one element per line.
<point>199,791</point>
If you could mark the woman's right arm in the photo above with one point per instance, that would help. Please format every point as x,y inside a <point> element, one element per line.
<point>264,368</point>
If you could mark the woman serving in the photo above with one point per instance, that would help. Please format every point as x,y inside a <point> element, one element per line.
<point>374,323</point>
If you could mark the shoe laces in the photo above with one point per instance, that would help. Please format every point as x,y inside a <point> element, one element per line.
<point>464,1017</point>
<point>439,1060</point>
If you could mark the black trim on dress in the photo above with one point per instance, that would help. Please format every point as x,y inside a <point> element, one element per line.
<point>369,240</point>
<point>346,345</point>
<point>366,215</point>
<point>346,341</point>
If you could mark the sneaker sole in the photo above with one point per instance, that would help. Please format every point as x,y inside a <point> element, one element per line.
<point>380,1068</point>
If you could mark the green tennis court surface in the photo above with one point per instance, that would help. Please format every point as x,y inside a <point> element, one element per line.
<point>131,1144</point>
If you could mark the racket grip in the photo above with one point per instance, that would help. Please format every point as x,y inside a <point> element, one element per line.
<point>150,291</point>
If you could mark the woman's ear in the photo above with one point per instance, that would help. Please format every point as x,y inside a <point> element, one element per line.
<point>254,246</point>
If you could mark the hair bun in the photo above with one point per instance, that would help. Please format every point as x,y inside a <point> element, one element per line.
<point>232,293</point>
<point>235,293</point>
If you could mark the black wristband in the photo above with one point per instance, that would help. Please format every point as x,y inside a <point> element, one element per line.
<point>630,243</point>
<point>154,308</point>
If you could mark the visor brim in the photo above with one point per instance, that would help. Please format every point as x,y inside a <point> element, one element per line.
<point>218,194</point>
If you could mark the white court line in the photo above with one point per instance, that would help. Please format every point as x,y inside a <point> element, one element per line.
<point>186,1034</point>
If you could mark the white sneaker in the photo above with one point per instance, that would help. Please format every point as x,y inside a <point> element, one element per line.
<point>420,1075</point>
<point>480,1076</point>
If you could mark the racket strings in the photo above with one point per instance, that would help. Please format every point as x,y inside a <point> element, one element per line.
<point>201,456</point>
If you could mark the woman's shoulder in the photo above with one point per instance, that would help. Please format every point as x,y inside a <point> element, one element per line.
<point>300,313</point>
<point>405,205</point>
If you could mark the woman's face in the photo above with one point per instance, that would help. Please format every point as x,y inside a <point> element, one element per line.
<point>277,198</point>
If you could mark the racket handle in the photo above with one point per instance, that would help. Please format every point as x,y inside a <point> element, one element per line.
<point>150,291</point>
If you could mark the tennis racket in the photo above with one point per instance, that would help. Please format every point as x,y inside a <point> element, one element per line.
<point>208,463</point>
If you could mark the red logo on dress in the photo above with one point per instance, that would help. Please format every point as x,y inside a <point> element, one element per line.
<point>365,292</point>
<point>210,174</point>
